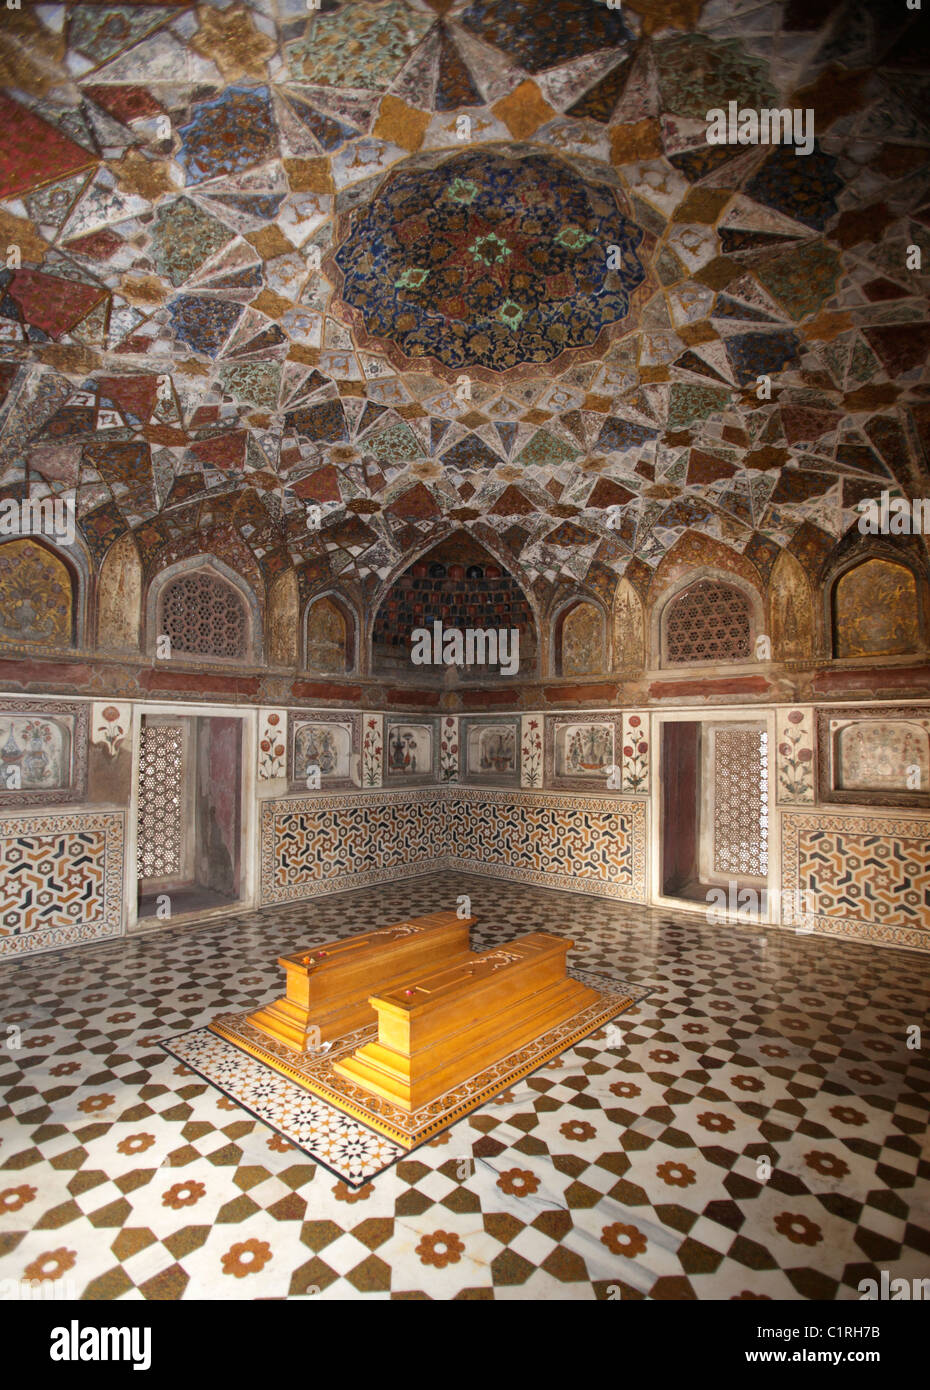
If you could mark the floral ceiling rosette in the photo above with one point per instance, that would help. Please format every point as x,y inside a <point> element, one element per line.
<point>249,249</point>
<point>490,259</point>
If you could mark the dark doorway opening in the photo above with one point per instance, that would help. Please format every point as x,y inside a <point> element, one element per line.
<point>681,779</point>
<point>714,831</point>
<point>190,814</point>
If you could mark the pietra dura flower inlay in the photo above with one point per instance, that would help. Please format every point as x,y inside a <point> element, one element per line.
<point>490,260</point>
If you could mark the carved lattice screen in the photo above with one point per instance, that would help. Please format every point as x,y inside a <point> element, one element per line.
<point>709,622</point>
<point>204,616</point>
<point>741,802</point>
<point>161,787</point>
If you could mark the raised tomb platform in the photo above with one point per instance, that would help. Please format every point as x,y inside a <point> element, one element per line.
<point>407,1029</point>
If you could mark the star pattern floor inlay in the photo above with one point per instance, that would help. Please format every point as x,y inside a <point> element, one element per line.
<point>636,1162</point>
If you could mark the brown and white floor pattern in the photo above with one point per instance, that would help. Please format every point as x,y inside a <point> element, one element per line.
<point>637,1163</point>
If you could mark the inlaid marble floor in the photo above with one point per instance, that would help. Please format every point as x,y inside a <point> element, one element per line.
<point>756,1128</point>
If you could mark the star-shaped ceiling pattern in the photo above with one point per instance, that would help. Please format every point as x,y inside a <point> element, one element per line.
<point>260,257</point>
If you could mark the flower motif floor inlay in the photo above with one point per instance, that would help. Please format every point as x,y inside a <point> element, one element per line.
<point>631,1161</point>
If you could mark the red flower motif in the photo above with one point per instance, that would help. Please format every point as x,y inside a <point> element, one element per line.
<point>627,1089</point>
<point>247,1257</point>
<point>634,721</point>
<point>828,1164</point>
<point>713,1120</point>
<point>579,1130</point>
<point>676,1174</point>
<point>799,1229</point>
<point>110,713</point>
<point>52,1265</point>
<point>440,1249</point>
<point>274,719</point>
<point>621,1239</point>
<point>795,717</point>
<point>518,1182</point>
<point>847,1115</point>
<point>628,750</point>
<point>15,1197</point>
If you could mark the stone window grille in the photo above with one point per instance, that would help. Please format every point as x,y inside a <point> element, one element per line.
<point>204,616</point>
<point>710,621</point>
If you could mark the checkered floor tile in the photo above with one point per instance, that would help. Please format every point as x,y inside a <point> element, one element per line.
<point>755,1128</point>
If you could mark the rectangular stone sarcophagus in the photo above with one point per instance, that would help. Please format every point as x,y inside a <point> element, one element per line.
<point>440,1029</point>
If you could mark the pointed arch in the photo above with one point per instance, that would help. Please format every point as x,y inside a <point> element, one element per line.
<point>330,634</point>
<point>41,594</point>
<point>791,610</point>
<point>629,631</point>
<point>579,637</point>
<point>207,610</point>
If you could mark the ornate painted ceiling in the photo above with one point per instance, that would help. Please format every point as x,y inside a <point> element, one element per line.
<point>434,265</point>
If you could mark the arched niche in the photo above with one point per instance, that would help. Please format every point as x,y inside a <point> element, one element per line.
<point>330,635</point>
<point>41,594</point>
<point>579,639</point>
<point>791,610</point>
<point>207,611</point>
<point>874,609</point>
<point>629,639</point>
<point>709,619</point>
<point>119,597</point>
<point>462,585</point>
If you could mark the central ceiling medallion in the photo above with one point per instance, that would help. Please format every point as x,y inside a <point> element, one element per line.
<point>488,261</point>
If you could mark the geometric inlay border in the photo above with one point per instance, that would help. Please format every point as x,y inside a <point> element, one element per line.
<point>606,859</point>
<point>330,844</point>
<point>61,880</point>
<point>869,875</point>
<point>326,844</point>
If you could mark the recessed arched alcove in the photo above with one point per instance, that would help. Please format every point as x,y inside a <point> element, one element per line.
<point>330,642</point>
<point>38,594</point>
<point>206,611</point>
<point>462,586</point>
<point>579,646</point>
<point>875,609</point>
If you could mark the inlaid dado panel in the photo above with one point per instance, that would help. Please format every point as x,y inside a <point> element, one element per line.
<point>61,880</point>
<point>327,843</point>
<point>585,844</point>
<point>861,876</point>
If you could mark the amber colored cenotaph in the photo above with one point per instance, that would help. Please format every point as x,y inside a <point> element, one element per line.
<point>443,1011</point>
